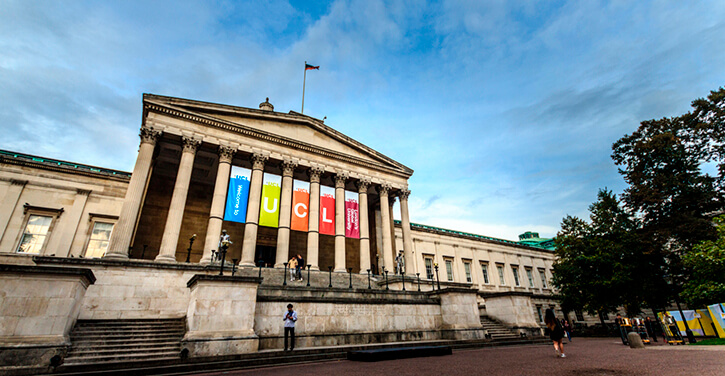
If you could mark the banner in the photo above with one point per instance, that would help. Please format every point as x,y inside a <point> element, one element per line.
<point>327,210</point>
<point>300,206</point>
<point>352,215</point>
<point>269,206</point>
<point>237,195</point>
<point>717,313</point>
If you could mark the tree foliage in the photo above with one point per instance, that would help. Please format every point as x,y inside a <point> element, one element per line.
<point>706,262</point>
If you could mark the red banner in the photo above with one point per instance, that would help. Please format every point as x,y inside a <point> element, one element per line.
<point>327,214</point>
<point>352,219</point>
<point>300,209</point>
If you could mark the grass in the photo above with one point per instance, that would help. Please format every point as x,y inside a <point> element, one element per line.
<point>710,342</point>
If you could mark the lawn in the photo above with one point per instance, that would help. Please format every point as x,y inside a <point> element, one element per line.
<point>710,341</point>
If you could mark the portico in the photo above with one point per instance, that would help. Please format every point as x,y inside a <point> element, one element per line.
<point>180,184</point>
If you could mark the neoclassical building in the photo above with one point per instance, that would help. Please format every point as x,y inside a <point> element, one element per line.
<point>279,184</point>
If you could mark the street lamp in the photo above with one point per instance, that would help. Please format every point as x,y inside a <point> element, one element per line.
<point>690,337</point>
<point>369,287</point>
<point>191,242</point>
<point>437,279</point>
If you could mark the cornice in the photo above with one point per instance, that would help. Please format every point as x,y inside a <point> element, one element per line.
<point>116,175</point>
<point>150,104</point>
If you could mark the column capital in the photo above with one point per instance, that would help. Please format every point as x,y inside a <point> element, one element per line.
<point>226,153</point>
<point>258,160</point>
<point>362,185</point>
<point>391,199</point>
<point>404,194</point>
<point>149,135</point>
<point>83,192</point>
<point>315,172</point>
<point>288,167</point>
<point>190,144</point>
<point>384,189</point>
<point>340,179</point>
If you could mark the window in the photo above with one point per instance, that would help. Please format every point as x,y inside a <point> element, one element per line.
<point>515,269</point>
<point>449,269</point>
<point>467,269</point>
<point>501,279</point>
<point>538,313</point>
<point>484,270</point>
<point>429,268</point>
<point>99,240</point>
<point>542,274</point>
<point>530,276</point>
<point>35,234</point>
<point>579,315</point>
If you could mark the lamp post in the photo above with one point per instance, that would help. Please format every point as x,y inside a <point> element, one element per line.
<point>418,275</point>
<point>284,277</point>
<point>329,269</point>
<point>349,271</point>
<point>234,266</point>
<point>369,287</point>
<point>386,278</point>
<point>144,250</point>
<point>260,263</point>
<point>225,245</point>
<point>690,337</point>
<point>308,274</point>
<point>188,251</point>
<point>437,279</point>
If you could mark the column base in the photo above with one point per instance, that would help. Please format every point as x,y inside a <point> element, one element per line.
<point>315,268</point>
<point>116,256</point>
<point>279,266</point>
<point>248,263</point>
<point>165,259</point>
<point>340,270</point>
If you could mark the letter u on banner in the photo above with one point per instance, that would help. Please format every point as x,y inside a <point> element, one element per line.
<point>300,209</point>
<point>269,207</point>
<point>237,195</point>
<point>352,216</point>
<point>327,212</point>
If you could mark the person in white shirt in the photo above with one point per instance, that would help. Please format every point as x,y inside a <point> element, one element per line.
<point>290,317</point>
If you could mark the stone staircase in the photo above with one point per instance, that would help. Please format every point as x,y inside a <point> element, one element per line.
<point>105,341</point>
<point>498,330</point>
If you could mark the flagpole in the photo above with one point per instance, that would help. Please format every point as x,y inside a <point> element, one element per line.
<point>304,81</point>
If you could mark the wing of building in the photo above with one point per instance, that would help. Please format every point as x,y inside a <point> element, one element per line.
<point>278,185</point>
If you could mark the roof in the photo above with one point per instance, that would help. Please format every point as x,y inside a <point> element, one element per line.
<point>12,157</point>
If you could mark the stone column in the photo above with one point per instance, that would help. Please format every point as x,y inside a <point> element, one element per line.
<point>216,214</point>
<point>123,230</point>
<point>407,238</point>
<point>285,213</point>
<point>313,228</point>
<point>362,190</point>
<point>393,243</point>
<point>167,252</point>
<point>249,247</point>
<point>387,251</point>
<point>340,179</point>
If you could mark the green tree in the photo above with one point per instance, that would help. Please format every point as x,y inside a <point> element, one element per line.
<point>706,262</point>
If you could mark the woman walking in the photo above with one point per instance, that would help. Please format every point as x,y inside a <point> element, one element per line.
<point>556,332</point>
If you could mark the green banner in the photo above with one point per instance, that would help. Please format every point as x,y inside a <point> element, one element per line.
<point>269,207</point>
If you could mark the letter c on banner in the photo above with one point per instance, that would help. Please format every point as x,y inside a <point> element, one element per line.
<point>297,210</point>
<point>274,207</point>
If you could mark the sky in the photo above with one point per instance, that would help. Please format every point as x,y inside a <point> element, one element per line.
<point>505,110</point>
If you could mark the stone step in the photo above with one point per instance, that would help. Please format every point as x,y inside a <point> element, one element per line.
<point>128,327</point>
<point>122,338</point>
<point>124,342</point>
<point>103,351</point>
<point>71,360</point>
<point>116,332</point>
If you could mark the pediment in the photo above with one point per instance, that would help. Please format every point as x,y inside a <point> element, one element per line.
<point>293,127</point>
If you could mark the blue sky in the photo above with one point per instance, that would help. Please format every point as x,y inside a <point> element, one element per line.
<point>506,110</point>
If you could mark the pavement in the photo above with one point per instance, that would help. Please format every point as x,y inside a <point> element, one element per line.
<point>584,356</point>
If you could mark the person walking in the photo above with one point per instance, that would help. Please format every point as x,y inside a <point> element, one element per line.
<point>567,329</point>
<point>292,268</point>
<point>300,266</point>
<point>290,318</point>
<point>556,332</point>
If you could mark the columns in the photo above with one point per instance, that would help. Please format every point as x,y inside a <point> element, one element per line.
<point>387,251</point>
<point>285,213</point>
<point>313,229</point>
<point>249,246</point>
<point>216,214</point>
<point>407,238</point>
<point>123,230</point>
<point>393,244</point>
<point>167,252</point>
<point>362,190</point>
<point>340,179</point>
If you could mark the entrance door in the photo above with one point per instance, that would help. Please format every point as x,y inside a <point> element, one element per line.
<point>266,254</point>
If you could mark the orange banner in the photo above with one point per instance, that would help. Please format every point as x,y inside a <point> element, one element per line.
<point>300,209</point>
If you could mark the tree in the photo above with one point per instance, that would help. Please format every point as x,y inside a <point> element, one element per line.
<point>706,283</point>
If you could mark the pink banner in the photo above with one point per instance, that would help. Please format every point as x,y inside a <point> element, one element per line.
<point>352,219</point>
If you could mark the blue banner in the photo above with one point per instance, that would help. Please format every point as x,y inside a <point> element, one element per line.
<point>237,195</point>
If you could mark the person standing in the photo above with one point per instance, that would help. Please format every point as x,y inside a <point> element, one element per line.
<point>292,268</point>
<point>556,332</point>
<point>290,318</point>
<point>567,329</point>
<point>300,266</point>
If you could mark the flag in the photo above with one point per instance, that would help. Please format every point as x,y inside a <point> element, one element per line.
<point>308,67</point>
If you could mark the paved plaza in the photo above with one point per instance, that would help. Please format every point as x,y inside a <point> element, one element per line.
<point>585,356</point>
